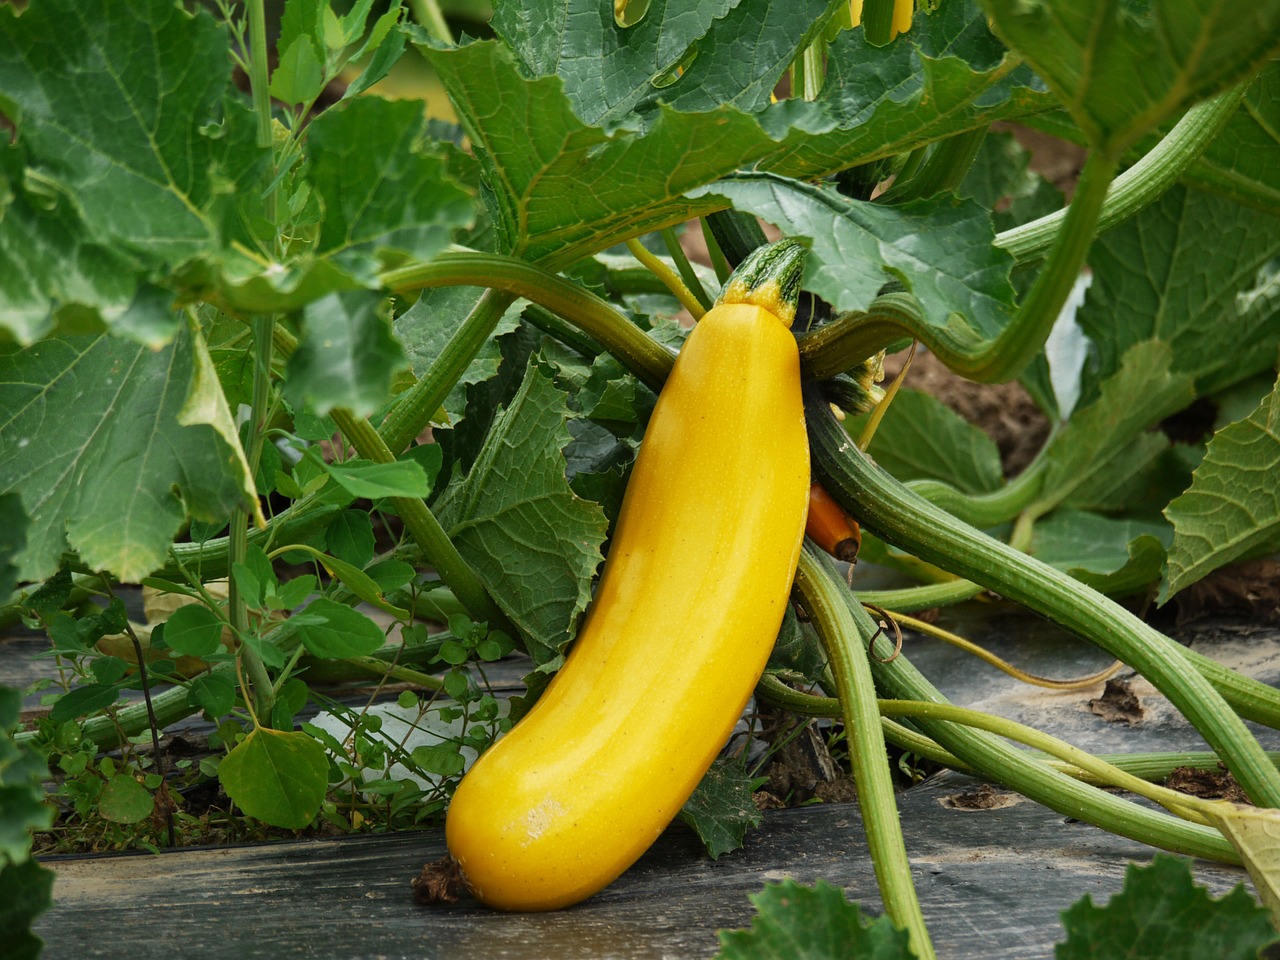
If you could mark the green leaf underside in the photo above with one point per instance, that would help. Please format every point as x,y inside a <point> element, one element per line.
<point>1255,833</point>
<point>941,251</point>
<point>1197,273</point>
<point>93,441</point>
<point>1233,504</point>
<point>921,438</point>
<point>1121,68</point>
<point>795,922</point>
<point>513,517</point>
<point>722,808</point>
<point>347,356</point>
<point>1240,161</point>
<point>426,327</point>
<point>277,777</point>
<point>1105,438</point>
<point>1161,912</point>
<point>1113,556</point>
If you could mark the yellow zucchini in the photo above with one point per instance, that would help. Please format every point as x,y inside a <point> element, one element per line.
<point>688,605</point>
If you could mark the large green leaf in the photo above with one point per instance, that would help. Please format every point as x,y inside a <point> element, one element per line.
<point>384,188</point>
<point>947,75</point>
<point>514,518</point>
<point>1240,161</point>
<point>1198,273</point>
<point>1113,556</point>
<point>347,356</point>
<point>940,249</point>
<point>1233,505</point>
<point>1105,440</point>
<point>1121,67</point>
<point>426,328</point>
<point>47,266</point>
<point>920,438</point>
<point>278,777</point>
<point>25,893</point>
<point>111,446</point>
<point>13,537</point>
<point>22,806</point>
<point>119,107</point>
<point>555,182</point>
<point>730,52</point>
<point>795,922</point>
<point>1161,912</point>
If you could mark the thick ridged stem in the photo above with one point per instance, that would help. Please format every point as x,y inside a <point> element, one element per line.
<point>1142,183</point>
<point>901,518</point>
<point>645,357</point>
<point>437,549</point>
<point>844,639</point>
<point>420,402</point>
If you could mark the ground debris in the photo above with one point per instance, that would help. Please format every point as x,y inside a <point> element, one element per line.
<point>440,881</point>
<point>1118,703</point>
<point>1209,784</point>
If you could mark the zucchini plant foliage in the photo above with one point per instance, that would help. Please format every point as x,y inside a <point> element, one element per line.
<point>228,317</point>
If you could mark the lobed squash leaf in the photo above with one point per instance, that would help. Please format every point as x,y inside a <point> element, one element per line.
<point>1161,912</point>
<point>797,922</point>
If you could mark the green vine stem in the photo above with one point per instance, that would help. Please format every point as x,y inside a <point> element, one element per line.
<point>1101,769</point>
<point>258,76</point>
<point>924,597</point>
<point>1072,760</point>
<point>1142,183</point>
<point>835,347</point>
<point>942,171</point>
<point>259,679</point>
<point>437,549</point>
<point>414,410</point>
<point>429,14</point>
<point>844,641</point>
<point>1019,770</point>
<point>1180,804</point>
<point>646,358</point>
<point>1024,336</point>
<point>910,522</point>
<point>987,509</point>
<point>877,21</point>
<point>687,273</point>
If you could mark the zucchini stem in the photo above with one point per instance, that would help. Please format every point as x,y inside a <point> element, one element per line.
<point>844,635</point>
<point>668,277</point>
<point>1142,183</point>
<point>910,522</point>
<point>645,357</point>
